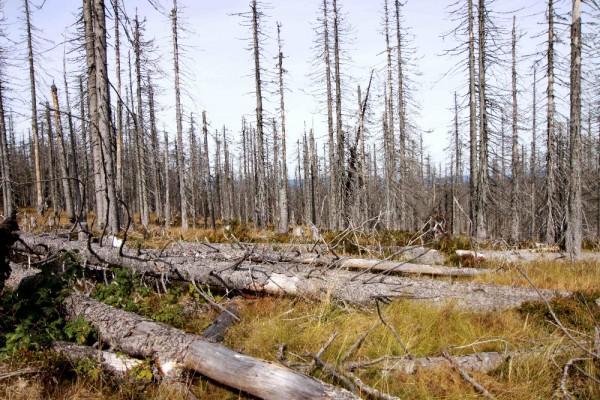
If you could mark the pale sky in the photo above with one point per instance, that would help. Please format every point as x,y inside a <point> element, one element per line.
<point>219,67</point>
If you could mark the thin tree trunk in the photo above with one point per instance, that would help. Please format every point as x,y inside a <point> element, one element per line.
<point>514,200</point>
<point>340,156</point>
<point>473,167</point>
<point>333,193</point>
<point>209,207</point>
<point>52,165</point>
<point>533,171</point>
<point>283,225</point>
<point>34,122</point>
<point>7,188</point>
<point>167,184</point>
<point>62,158</point>
<point>119,146</point>
<point>140,131</point>
<point>179,117</point>
<point>155,153</point>
<point>74,164</point>
<point>402,120</point>
<point>390,115</point>
<point>550,178</point>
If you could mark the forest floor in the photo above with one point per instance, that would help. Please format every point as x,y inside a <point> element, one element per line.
<point>535,343</point>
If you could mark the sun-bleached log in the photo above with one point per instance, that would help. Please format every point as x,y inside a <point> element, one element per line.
<point>117,364</point>
<point>524,255</point>
<point>175,350</point>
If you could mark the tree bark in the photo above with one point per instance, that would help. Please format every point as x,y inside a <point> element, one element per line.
<point>515,232</point>
<point>283,225</point>
<point>473,167</point>
<point>550,178</point>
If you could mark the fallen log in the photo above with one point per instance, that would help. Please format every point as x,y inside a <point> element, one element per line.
<point>218,328</point>
<point>524,255</point>
<point>479,362</point>
<point>117,364</point>
<point>175,350</point>
<point>297,279</point>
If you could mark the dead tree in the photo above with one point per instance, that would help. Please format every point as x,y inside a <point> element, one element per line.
<point>8,201</point>
<point>111,214</point>
<point>473,161</point>
<point>119,106</point>
<point>391,139</point>
<point>209,208</point>
<point>574,233</point>
<point>482,176</point>
<point>550,175</point>
<point>261,195</point>
<point>283,179</point>
<point>340,136</point>
<point>179,118</point>
<point>533,160</point>
<point>514,197</point>
<point>155,166</point>
<point>401,118</point>
<point>139,129</point>
<point>167,183</point>
<point>62,158</point>
<point>34,122</point>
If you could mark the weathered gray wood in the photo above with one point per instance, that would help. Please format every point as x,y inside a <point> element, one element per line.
<point>298,279</point>
<point>175,350</point>
<point>520,255</point>
<point>216,331</point>
<point>116,364</point>
<point>480,362</point>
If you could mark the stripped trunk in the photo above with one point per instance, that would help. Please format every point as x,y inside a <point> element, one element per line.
<point>261,195</point>
<point>283,225</point>
<point>179,117</point>
<point>533,173</point>
<point>155,153</point>
<point>167,184</point>
<point>550,181</point>
<point>473,169</point>
<point>514,200</point>
<point>402,121</point>
<point>574,210</point>
<point>140,131</point>
<point>342,221</point>
<point>34,122</point>
<point>482,178</point>
<point>5,166</point>
<point>209,208</point>
<point>390,115</point>
<point>119,144</point>
<point>333,203</point>
<point>110,214</point>
<point>62,158</point>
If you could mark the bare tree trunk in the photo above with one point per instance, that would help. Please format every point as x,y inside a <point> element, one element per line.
<point>104,120</point>
<point>194,169</point>
<point>74,164</point>
<point>473,167</point>
<point>533,162</point>
<point>261,195</point>
<point>574,211</point>
<point>209,208</point>
<point>62,158</point>
<point>140,131</point>
<point>457,179</point>
<point>155,153</point>
<point>179,116</point>
<point>7,190</point>
<point>402,120</point>
<point>84,146</point>
<point>34,122</point>
<point>51,164</point>
<point>333,193</point>
<point>167,184</point>
<point>390,116</point>
<point>514,200</point>
<point>338,122</point>
<point>119,147</point>
<point>550,181</point>
<point>283,225</point>
<point>482,178</point>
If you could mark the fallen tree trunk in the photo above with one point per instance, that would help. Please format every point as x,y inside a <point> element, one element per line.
<point>117,364</point>
<point>175,350</point>
<point>479,362</point>
<point>297,279</point>
<point>523,255</point>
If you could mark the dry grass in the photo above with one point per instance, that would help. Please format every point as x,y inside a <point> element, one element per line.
<point>558,275</point>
